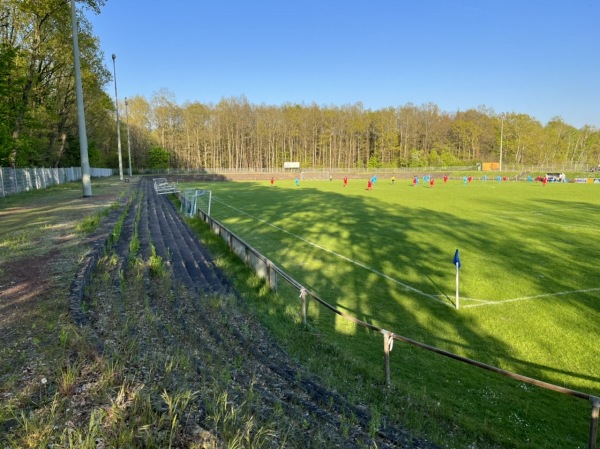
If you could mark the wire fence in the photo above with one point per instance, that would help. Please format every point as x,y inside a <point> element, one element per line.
<point>267,270</point>
<point>325,172</point>
<point>19,180</point>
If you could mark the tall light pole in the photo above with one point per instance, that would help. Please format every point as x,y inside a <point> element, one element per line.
<point>128,139</point>
<point>501,139</point>
<point>83,144</point>
<point>118,125</point>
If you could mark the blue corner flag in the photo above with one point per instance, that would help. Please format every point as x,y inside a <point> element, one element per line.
<point>456,260</point>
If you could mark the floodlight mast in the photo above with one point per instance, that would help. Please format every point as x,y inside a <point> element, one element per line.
<point>128,139</point>
<point>83,144</point>
<point>114,57</point>
<point>501,139</point>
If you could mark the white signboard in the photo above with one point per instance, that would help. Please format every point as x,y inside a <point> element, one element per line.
<point>291,165</point>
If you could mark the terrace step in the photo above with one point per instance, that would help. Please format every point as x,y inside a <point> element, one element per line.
<point>202,321</point>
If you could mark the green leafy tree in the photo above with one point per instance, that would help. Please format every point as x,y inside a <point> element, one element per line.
<point>374,161</point>
<point>7,61</point>
<point>158,158</point>
<point>38,112</point>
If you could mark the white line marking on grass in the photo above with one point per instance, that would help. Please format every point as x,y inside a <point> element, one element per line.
<point>515,217</point>
<point>476,300</point>
<point>481,302</point>
<point>379,273</point>
<point>525,298</point>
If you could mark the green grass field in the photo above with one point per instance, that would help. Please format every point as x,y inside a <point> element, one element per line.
<point>529,288</point>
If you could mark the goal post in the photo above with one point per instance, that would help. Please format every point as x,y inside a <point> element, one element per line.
<point>194,199</point>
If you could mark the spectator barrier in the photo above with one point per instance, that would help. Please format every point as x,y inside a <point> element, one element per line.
<point>19,180</point>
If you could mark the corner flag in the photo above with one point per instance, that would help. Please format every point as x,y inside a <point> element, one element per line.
<point>456,260</point>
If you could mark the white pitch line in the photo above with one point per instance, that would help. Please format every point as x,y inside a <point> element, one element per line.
<point>506,217</point>
<point>476,300</point>
<point>482,302</point>
<point>525,298</point>
<point>379,273</point>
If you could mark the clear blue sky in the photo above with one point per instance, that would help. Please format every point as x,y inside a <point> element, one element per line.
<point>540,58</point>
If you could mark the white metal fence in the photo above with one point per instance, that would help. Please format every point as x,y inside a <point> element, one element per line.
<point>326,171</point>
<point>18,180</point>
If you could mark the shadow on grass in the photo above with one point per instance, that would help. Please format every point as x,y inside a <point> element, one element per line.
<point>388,269</point>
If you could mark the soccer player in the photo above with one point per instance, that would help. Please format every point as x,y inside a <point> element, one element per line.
<point>369,185</point>
<point>345,181</point>
<point>272,180</point>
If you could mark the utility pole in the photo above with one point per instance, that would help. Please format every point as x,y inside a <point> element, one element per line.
<point>501,139</point>
<point>118,124</point>
<point>128,139</point>
<point>83,144</point>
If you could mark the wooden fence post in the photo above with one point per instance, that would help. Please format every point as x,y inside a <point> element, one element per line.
<point>303,298</point>
<point>387,347</point>
<point>271,276</point>
<point>594,423</point>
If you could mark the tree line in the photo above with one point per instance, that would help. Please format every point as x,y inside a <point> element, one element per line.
<point>38,118</point>
<point>38,115</point>
<point>237,135</point>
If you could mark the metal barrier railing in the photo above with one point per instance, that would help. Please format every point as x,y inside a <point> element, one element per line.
<point>19,180</point>
<point>267,270</point>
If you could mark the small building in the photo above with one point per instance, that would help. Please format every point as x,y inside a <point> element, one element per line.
<point>556,177</point>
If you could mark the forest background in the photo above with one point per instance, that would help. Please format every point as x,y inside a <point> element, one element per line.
<point>38,118</point>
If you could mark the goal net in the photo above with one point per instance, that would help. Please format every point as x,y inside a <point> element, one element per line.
<point>193,200</point>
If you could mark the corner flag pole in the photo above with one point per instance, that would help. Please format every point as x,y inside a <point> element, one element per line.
<point>456,262</point>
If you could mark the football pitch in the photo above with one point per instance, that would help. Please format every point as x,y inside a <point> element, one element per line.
<point>529,282</point>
